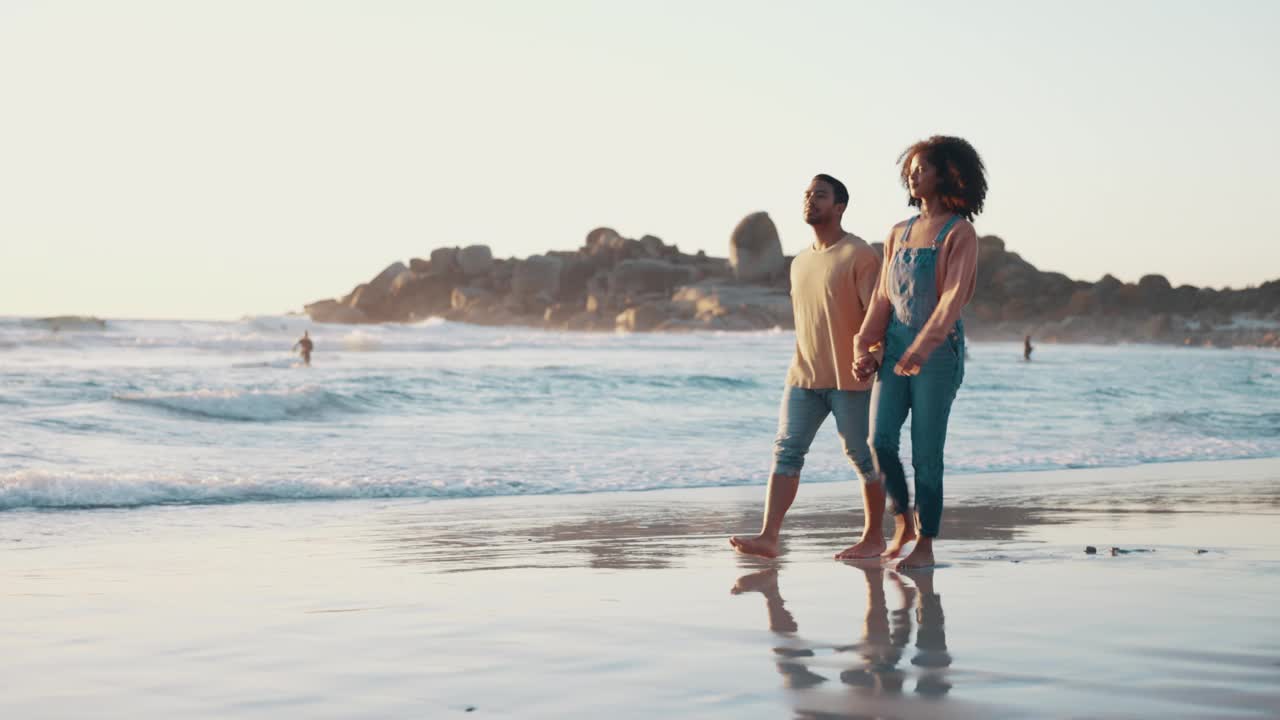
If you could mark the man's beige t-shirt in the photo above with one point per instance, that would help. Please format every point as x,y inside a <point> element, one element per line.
<point>831,288</point>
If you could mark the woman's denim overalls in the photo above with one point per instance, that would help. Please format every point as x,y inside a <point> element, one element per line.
<point>913,290</point>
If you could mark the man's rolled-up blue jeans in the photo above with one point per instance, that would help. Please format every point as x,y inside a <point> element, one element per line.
<point>803,411</point>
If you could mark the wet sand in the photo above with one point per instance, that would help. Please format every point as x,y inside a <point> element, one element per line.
<point>633,605</point>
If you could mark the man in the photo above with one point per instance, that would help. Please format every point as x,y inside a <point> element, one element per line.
<point>304,343</point>
<point>831,284</point>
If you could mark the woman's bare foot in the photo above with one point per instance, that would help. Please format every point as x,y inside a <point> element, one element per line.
<point>763,581</point>
<point>921,556</point>
<point>867,547</point>
<point>904,531</point>
<point>759,545</point>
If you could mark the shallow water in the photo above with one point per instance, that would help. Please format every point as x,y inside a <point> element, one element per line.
<point>156,412</point>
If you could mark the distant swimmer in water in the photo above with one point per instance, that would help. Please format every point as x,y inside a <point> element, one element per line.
<point>304,344</point>
<point>1027,348</point>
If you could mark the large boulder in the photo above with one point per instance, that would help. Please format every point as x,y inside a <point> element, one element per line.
<point>404,278</point>
<point>527,307</point>
<point>603,239</point>
<point>483,309</point>
<point>445,260</point>
<point>558,315</point>
<point>654,247</point>
<point>602,302</point>
<point>1107,288</point>
<point>350,298</point>
<point>759,307</point>
<point>755,252</point>
<point>465,297</point>
<point>1154,284</point>
<point>645,277</point>
<point>1155,291</point>
<point>576,275</point>
<point>1184,300</point>
<point>475,260</point>
<point>537,275</point>
<point>989,245</point>
<point>372,297</point>
<point>333,311</point>
<point>643,318</point>
<point>418,296</point>
<point>606,247</point>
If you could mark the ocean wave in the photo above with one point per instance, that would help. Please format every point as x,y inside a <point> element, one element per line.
<point>285,363</point>
<point>61,490</point>
<point>40,489</point>
<point>69,323</point>
<point>49,490</point>
<point>1111,393</point>
<point>277,333</point>
<point>1218,422</point>
<point>245,405</point>
<point>701,382</point>
<point>567,374</point>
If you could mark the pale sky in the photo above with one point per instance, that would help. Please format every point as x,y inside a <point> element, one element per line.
<point>227,158</point>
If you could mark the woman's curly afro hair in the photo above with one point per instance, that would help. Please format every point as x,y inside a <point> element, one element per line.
<point>962,178</point>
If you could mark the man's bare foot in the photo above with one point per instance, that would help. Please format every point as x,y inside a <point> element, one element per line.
<point>759,545</point>
<point>904,531</point>
<point>920,557</point>
<point>867,547</point>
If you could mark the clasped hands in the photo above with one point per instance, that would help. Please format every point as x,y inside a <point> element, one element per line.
<point>865,364</point>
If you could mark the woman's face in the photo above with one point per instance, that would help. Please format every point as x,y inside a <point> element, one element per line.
<point>922,177</point>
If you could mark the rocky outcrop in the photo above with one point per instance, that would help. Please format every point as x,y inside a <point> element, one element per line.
<point>634,278</point>
<point>537,276</point>
<point>609,283</point>
<point>642,318</point>
<point>735,307</point>
<point>475,260</point>
<point>468,297</point>
<point>333,311</point>
<point>1014,299</point>
<point>616,283</point>
<point>371,298</point>
<point>755,251</point>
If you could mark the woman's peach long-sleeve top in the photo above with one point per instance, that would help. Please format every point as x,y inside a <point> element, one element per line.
<point>956,277</point>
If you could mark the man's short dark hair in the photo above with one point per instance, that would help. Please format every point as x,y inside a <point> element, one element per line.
<point>841,192</point>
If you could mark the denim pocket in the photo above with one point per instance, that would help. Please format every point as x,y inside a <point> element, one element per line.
<point>957,347</point>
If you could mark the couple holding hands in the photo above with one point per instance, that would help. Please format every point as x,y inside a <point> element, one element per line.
<point>878,339</point>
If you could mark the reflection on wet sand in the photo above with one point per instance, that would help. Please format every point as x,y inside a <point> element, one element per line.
<point>586,531</point>
<point>874,663</point>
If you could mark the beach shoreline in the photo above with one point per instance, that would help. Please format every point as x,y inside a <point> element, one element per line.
<point>633,604</point>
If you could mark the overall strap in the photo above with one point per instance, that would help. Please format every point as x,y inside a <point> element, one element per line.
<point>942,234</point>
<point>906,232</point>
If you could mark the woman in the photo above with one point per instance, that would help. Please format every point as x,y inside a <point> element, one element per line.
<point>929,276</point>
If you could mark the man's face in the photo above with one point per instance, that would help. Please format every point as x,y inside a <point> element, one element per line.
<point>819,203</point>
